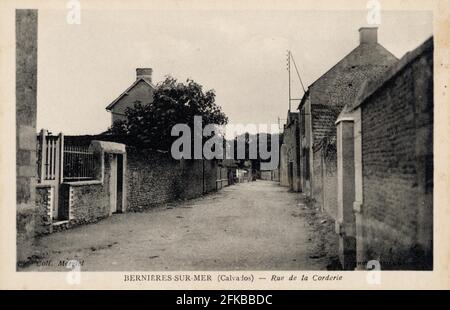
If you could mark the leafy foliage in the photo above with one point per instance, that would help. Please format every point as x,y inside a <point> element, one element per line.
<point>149,125</point>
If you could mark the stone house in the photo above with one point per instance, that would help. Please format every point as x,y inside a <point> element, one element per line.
<point>141,91</point>
<point>385,168</point>
<point>319,109</point>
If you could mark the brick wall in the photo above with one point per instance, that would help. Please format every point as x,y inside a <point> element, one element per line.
<point>154,178</point>
<point>397,146</point>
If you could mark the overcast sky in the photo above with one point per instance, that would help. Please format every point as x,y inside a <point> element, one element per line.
<point>240,54</point>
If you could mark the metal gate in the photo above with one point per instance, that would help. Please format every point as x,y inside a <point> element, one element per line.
<point>58,162</point>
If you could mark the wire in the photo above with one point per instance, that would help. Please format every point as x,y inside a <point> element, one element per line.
<point>298,74</point>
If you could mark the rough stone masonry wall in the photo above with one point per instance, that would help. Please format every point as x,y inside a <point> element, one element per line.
<point>89,202</point>
<point>26,102</point>
<point>397,150</point>
<point>43,216</point>
<point>154,178</point>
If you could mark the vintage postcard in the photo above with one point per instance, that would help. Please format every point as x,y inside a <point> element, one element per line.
<point>224,144</point>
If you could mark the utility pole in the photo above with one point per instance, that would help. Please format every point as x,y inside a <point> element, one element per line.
<point>289,76</point>
<point>289,57</point>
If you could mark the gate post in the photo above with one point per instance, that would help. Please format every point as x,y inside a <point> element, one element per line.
<point>43,141</point>
<point>61,157</point>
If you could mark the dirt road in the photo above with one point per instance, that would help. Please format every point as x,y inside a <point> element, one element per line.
<point>248,226</point>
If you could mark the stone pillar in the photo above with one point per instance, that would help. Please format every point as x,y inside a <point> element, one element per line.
<point>26,83</point>
<point>358,203</point>
<point>345,221</point>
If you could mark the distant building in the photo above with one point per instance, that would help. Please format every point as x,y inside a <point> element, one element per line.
<point>141,91</point>
<point>269,175</point>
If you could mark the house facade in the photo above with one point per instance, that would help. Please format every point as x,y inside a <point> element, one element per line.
<point>141,91</point>
<point>319,109</point>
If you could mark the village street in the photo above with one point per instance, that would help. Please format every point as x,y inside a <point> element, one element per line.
<point>247,226</point>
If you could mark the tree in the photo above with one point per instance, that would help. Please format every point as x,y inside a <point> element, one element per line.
<point>149,125</point>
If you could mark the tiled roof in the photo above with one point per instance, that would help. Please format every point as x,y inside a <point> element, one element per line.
<point>371,85</point>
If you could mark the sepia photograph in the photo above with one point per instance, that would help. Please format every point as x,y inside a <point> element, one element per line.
<point>158,140</point>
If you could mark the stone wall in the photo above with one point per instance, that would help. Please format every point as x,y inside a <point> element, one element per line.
<point>154,178</point>
<point>43,217</point>
<point>151,178</point>
<point>291,161</point>
<point>397,156</point>
<point>330,180</point>
<point>210,175</point>
<point>324,182</point>
<point>284,181</point>
<point>317,179</point>
<point>26,103</point>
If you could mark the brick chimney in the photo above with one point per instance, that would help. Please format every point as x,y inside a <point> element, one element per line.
<point>368,35</point>
<point>144,73</point>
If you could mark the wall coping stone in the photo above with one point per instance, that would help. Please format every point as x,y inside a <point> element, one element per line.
<point>108,147</point>
<point>84,183</point>
<point>39,185</point>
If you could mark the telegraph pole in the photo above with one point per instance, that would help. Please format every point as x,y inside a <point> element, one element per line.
<point>289,57</point>
<point>289,76</point>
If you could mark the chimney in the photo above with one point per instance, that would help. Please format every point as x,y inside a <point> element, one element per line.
<point>144,73</point>
<point>368,35</point>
